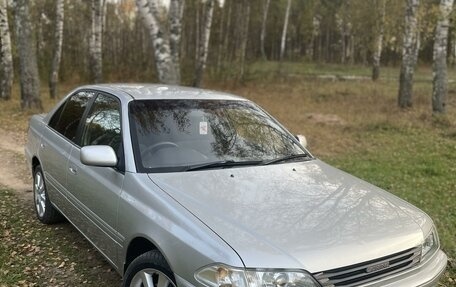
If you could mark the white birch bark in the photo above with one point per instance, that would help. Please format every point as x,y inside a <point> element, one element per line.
<point>6,58</point>
<point>263,27</point>
<point>57,55</point>
<point>203,50</point>
<point>379,42</point>
<point>284,31</point>
<point>176,12</point>
<point>151,13</point>
<point>220,40</point>
<point>439,84</point>
<point>96,41</point>
<point>28,68</point>
<point>409,53</point>
<point>227,33</point>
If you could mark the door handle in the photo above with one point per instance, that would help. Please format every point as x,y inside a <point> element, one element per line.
<point>73,170</point>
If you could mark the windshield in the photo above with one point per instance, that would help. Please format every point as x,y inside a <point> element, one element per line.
<point>174,135</point>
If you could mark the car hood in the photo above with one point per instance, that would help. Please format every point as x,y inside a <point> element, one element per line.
<point>305,215</point>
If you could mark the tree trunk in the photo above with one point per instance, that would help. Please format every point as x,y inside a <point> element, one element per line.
<point>96,40</point>
<point>197,30</point>
<point>263,27</point>
<point>6,58</point>
<point>341,26</point>
<point>379,42</point>
<point>57,55</point>
<point>351,49</point>
<point>28,68</point>
<point>151,13</point>
<point>439,84</point>
<point>245,36</point>
<point>409,53</point>
<point>284,31</point>
<point>220,40</point>
<point>176,12</point>
<point>316,39</point>
<point>204,43</point>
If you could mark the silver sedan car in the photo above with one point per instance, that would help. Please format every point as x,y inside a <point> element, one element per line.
<point>188,187</point>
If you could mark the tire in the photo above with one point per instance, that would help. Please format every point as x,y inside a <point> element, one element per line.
<point>149,270</point>
<point>45,211</point>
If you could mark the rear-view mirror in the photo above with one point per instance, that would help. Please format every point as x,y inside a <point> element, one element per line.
<point>98,155</point>
<point>302,140</point>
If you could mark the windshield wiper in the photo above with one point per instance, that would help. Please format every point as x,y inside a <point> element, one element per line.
<point>222,164</point>
<point>286,158</point>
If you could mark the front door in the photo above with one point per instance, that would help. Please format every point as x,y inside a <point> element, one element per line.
<point>96,190</point>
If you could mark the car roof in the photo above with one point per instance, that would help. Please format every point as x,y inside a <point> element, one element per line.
<point>158,91</point>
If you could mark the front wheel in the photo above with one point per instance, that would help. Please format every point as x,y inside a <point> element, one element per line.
<point>45,211</point>
<point>149,270</point>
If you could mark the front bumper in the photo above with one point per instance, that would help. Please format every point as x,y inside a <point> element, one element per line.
<point>426,274</point>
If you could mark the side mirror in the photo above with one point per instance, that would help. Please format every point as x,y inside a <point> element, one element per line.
<point>98,155</point>
<point>302,140</point>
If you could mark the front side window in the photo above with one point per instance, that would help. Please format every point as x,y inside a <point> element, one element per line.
<point>173,135</point>
<point>66,120</point>
<point>102,125</point>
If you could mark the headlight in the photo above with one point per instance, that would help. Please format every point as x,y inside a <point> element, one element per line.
<point>224,276</point>
<point>431,243</point>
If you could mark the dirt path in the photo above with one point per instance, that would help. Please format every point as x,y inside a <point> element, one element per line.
<point>13,170</point>
<point>29,247</point>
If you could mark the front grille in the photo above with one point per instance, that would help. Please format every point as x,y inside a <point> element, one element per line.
<point>365,272</point>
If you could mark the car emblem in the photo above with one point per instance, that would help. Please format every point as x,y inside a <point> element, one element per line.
<point>377,267</point>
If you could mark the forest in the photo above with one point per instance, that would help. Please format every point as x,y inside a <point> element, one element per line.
<point>370,83</point>
<point>180,42</point>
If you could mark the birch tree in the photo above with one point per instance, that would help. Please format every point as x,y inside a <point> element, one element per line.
<point>284,31</point>
<point>245,36</point>
<point>263,27</point>
<point>176,12</point>
<point>95,41</point>
<point>6,59</point>
<point>409,53</point>
<point>203,48</point>
<point>225,17</point>
<point>153,14</point>
<point>58,41</point>
<point>379,41</point>
<point>28,68</point>
<point>439,83</point>
<point>315,42</point>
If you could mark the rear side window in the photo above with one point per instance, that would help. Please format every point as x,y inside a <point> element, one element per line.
<point>67,118</point>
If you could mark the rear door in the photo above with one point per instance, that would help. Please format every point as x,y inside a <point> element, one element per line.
<point>56,143</point>
<point>96,190</point>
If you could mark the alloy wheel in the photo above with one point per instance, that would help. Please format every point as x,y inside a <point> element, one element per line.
<point>151,278</point>
<point>40,194</point>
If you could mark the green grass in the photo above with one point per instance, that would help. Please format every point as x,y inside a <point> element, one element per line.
<point>270,69</point>
<point>415,164</point>
<point>410,153</point>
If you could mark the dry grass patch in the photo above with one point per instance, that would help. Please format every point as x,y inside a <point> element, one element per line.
<point>334,115</point>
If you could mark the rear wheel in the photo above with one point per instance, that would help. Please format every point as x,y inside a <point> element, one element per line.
<point>149,270</point>
<point>45,211</point>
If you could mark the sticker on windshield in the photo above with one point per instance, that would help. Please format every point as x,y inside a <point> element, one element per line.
<point>203,128</point>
